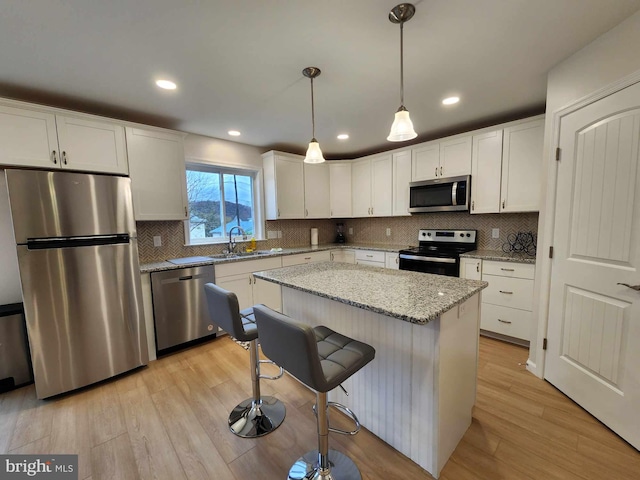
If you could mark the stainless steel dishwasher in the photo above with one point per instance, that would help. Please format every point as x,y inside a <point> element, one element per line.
<point>179,307</point>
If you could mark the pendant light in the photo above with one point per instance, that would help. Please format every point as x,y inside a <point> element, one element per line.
<point>314,154</point>
<point>402,128</point>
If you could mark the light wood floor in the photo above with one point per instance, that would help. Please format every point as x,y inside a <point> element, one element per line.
<point>169,421</point>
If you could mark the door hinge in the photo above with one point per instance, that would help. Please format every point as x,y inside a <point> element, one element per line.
<point>544,344</point>
<point>550,252</point>
<point>557,154</point>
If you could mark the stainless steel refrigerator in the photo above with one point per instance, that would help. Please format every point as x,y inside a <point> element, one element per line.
<point>78,259</point>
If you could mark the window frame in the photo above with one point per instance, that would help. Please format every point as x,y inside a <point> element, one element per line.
<point>258,204</point>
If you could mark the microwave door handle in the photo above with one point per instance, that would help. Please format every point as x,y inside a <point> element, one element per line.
<point>454,194</point>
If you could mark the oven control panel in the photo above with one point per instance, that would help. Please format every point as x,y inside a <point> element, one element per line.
<point>450,236</point>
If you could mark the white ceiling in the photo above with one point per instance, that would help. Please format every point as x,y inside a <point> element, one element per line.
<point>238,63</point>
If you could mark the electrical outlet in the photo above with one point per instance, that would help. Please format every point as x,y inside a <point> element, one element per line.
<point>495,233</point>
<point>350,230</point>
<point>388,232</point>
<point>157,241</point>
<point>279,233</point>
<point>271,234</point>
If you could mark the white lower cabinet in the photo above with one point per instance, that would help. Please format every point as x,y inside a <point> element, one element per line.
<point>238,278</point>
<point>343,256</point>
<point>392,260</point>
<point>370,257</point>
<point>302,258</point>
<point>507,302</point>
<point>471,268</point>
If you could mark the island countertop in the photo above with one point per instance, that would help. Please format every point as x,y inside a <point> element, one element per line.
<point>410,296</point>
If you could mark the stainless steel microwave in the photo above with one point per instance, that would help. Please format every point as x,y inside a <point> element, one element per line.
<point>440,195</point>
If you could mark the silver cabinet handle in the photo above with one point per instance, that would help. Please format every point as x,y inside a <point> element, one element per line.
<point>249,280</point>
<point>478,267</point>
<point>307,258</point>
<point>503,203</point>
<point>436,171</point>
<point>508,293</point>
<point>634,287</point>
<point>306,212</point>
<point>331,255</point>
<point>507,269</point>
<point>397,260</point>
<point>369,256</point>
<point>54,159</point>
<point>473,205</point>
<point>371,210</point>
<point>64,157</point>
<point>440,171</point>
<point>503,321</point>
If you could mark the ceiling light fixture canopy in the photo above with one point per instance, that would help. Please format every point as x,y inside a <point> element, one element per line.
<point>314,154</point>
<point>402,127</point>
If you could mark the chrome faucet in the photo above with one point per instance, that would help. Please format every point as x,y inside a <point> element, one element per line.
<point>232,243</point>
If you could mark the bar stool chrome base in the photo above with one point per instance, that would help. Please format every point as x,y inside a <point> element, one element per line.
<point>251,419</point>
<point>342,467</point>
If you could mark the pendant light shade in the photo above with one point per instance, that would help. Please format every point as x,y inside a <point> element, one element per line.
<point>314,154</point>
<point>402,127</point>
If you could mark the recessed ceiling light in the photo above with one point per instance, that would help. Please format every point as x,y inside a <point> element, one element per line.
<point>343,136</point>
<point>450,100</point>
<point>234,133</point>
<point>166,84</point>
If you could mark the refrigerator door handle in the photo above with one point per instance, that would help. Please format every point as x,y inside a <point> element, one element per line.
<point>84,241</point>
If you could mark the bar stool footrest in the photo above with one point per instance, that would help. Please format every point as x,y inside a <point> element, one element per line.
<point>271,377</point>
<point>348,412</point>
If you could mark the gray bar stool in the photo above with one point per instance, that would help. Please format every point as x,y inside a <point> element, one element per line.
<point>258,415</point>
<point>321,359</point>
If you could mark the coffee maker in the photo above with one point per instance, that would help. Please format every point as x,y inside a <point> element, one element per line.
<point>340,237</point>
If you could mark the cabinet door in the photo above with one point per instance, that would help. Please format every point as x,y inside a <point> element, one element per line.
<point>156,165</point>
<point>361,188</point>
<point>241,285</point>
<point>521,165</point>
<point>267,293</point>
<point>316,190</point>
<point>392,261</point>
<point>381,186</point>
<point>289,188</point>
<point>471,268</point>
<point>343,256</point>
<point>92,145</point>
<point>340,189</point>
<point>28,138</point>
<point>425,162</point>
<point>401,180</point>
<point>486,168</point>
<point>455,157</point>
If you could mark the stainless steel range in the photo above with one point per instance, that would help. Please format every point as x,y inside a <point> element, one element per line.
<point>439,251</point>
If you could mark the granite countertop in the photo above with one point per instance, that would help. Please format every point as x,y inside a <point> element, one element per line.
<point>500,256</point>
<point>218,259</point>
<point>410,296</point>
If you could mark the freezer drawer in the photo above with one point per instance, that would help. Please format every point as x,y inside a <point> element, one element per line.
<point>180,310</point>
<point>15,362</point>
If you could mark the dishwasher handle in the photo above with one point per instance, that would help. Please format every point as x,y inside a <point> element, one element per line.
<point>188,277</point>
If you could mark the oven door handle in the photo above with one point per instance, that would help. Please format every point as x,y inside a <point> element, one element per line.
<point>427,259</point>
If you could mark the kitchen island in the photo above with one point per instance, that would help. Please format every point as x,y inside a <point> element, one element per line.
<point>418,393</point>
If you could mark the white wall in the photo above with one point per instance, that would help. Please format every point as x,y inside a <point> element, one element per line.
<point>10,291</point>
<point>222,152</point>
<point>607,59</point>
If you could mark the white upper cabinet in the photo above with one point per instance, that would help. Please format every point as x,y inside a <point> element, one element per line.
<point>92,145</point>
<point>340,189</point>
<point>371,186</point>
<point>157,169</point>
<point>486,168</point>
<point>283,186</point>
<point>521,165</point>
<point>401,180</point>
<point>445,158</point>
<point>33,138</point>
<point>316,190</point>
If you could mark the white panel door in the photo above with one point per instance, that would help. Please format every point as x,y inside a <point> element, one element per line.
<point>289,188</point>
<point>486,167</point>
<point>455,157</point>
<point>157,170</point>
<point>521,166</point>
<point>28,138</point>
<point>425,162</point>
<point>381,186</point>
<point>361,188</point>
<point>316,190</point>
<point>92,145</point>
<point>594,321</point>
<point>340,189</point>
<point>401,180</point>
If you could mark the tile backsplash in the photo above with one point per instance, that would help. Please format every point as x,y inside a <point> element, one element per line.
<point>297,233</point>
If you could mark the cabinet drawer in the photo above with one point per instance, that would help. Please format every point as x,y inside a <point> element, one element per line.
<point>371,256</point>
<point>508,292</point>
<point>505,320</point>
<point>509,269</point>
<point>370,263</point>
<point>289,260</point>
<point>249,266</point>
